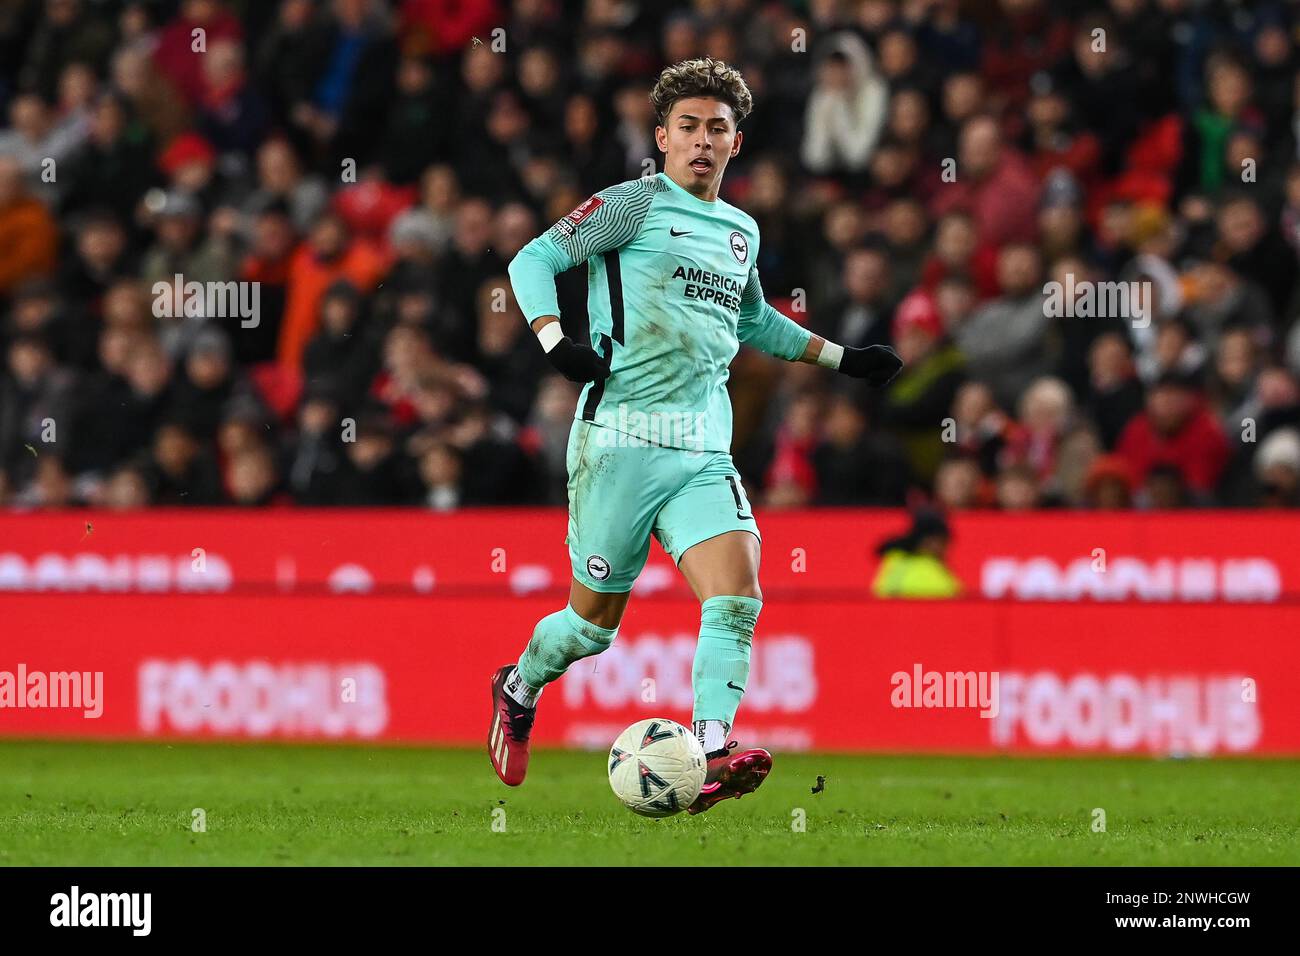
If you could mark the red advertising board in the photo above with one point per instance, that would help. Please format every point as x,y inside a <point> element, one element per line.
<point>845,674</point>
<point>1182,557</point>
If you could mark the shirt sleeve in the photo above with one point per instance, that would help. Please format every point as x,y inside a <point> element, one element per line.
<point>765,328</point>
<point>611,218</point>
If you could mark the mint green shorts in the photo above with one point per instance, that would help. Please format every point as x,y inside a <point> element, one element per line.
<point>622,491</point>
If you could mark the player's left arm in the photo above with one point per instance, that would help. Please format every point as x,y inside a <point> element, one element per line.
<point>768,330</point>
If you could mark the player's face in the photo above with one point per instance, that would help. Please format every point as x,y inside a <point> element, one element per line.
<point>698,140</point>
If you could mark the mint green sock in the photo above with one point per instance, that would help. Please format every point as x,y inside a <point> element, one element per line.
<point>722,656</point>
<point>558,640</point>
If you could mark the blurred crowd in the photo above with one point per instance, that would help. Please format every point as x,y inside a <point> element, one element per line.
<point>919,170</point>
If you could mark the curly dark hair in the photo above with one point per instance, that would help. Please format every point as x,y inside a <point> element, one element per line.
<point>701,77</point>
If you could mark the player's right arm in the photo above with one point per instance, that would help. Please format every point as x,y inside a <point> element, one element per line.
<point>608,220</point>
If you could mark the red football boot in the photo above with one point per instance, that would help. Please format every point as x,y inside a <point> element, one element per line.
<point>512,724</point>
<point>731,776</point>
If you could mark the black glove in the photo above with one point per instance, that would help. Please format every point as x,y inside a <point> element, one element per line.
<point>878,364</point>
<point>578,363</point>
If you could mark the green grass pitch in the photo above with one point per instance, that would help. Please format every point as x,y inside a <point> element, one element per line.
<point>82,804</point>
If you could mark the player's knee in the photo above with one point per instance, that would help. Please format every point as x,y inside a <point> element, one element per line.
<point>741,587</point>
<point>731,615</point>
<point>606,616</point>
<point>597,607</point>
<point>595,630</point>
<point>585,637</point>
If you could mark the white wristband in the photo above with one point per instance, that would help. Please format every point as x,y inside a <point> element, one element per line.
<point>830,355</point>
<point>550,336</point>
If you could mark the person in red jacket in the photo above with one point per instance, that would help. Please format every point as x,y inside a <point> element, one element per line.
<point>1176,429</point>
<point>328,254</point>
<point>444,27</point>
<point>176,55</point>
<point>996,185</point>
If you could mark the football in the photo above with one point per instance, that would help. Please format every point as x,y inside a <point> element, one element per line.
<point>656,767</point>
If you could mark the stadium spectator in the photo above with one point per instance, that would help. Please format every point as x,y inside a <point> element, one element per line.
<point>114,168</point>
<point>1177,431</point>
<point>445,26</point>
<point>413,136</point>
<point>853,465</point>
<point>341,353</point>
<point>1079,446</point>
<point>28,233</point>
<point>981,430</point>
<point>50,487</point>
<point>266,262</point>
<point>39,143</point>
<point>1061,224</point>
<point>281,179</point>
<point>442,472</point>
<point>314,455</point>
<point>1045,411</point>
<point>1165,489</point>
<point>915,404</point>
<point>189,162</point>
<point>1005,340</point>
<point>1114,392</point>
<point>206,381</point>
<point>913,565</point>
<point>791,479</point>
<point>957,253</point>
<point>846,109</point>
<point>1236,366</point>
<point>548,433</point>
<point>180,248</point>
<point>861,314</point>
<point>174,52</point>
<point>1099,82</point>
<point>71,31</point>
<point>502,470</point>
<point>35,396</point>
<point>183,472</point>
<point>994,183</point>
<point>39,310</point>
<point>1223,298</point>
<point>433,220</point>
<point>373,473</point>
<point>1277,470</point>
<point>471,260</point>
<point>507,358</point>
<point>329,254</point>
<point>1109,484</point>
<point>252,478</point>
<point>100,257</point>
<point>231,114</point>
<point>1229,94</point>
<point>1174,348</point>
<point>1025,38</point>
<point>126,489</point>
<point>1018,489</point>
<point>959,485</point>
<point>964,95</point>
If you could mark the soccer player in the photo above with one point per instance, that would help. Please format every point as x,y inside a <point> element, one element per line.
<point>672,292</point>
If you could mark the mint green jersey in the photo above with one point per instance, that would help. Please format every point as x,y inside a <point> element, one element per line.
<point>672,292</point>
